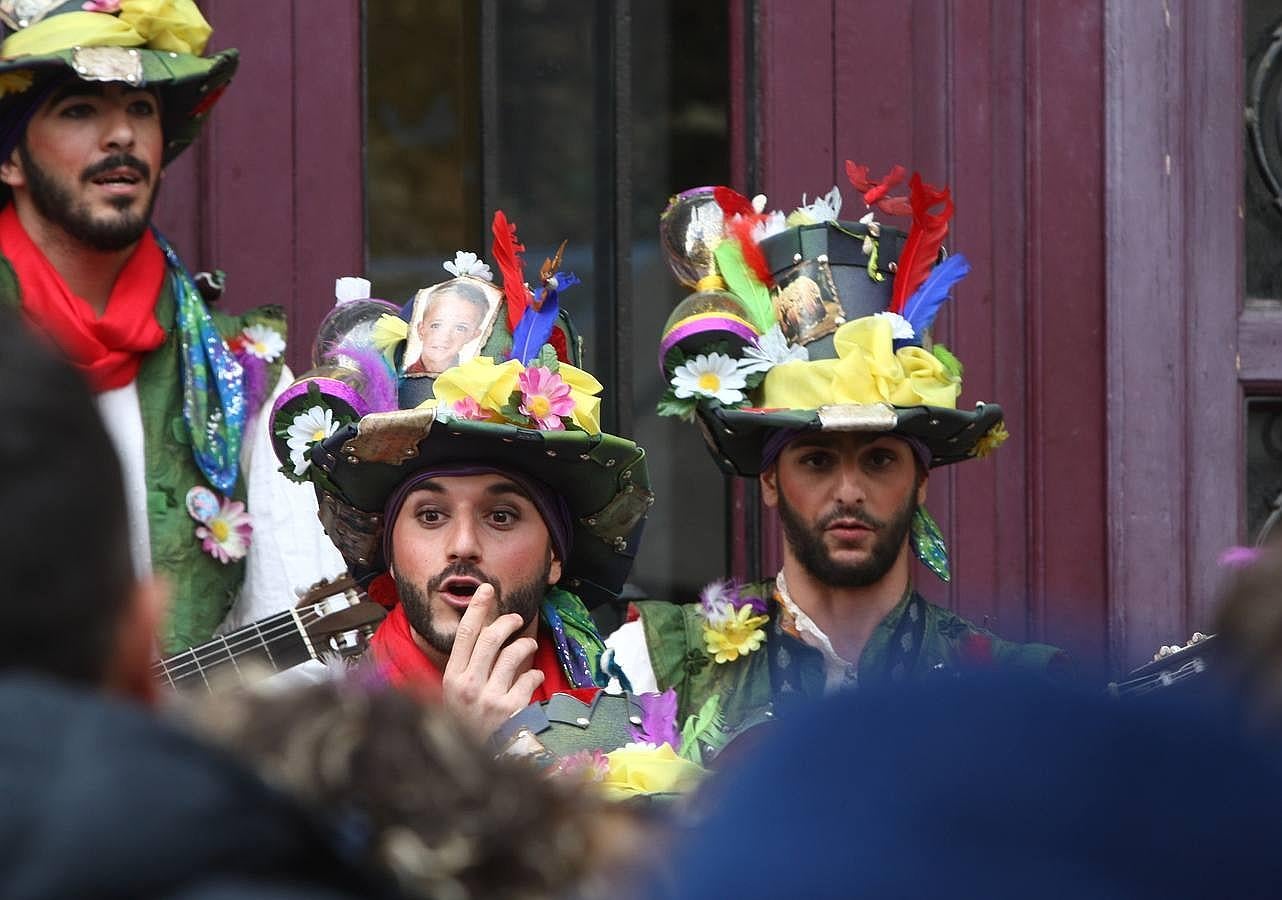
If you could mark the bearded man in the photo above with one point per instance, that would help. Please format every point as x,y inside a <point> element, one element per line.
<point>95,100</point>
<point>842,430</point>
<point>484,508</point>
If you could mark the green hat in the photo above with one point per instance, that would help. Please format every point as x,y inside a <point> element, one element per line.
<point>807,322</point>
<point>147,43</point>
<point>375,412</point>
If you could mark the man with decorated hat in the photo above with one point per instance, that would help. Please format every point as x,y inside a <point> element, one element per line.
<point>484,505</point>
<point>96,97</point>
<point>804,357</point>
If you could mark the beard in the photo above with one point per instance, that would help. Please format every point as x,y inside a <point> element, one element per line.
<point>523,599</point>
<point>54,201</point>
<point>807,543</point>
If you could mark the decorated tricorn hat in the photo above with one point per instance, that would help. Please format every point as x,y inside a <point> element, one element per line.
<point>388,398</point>
<point>145,43</point>
<point>808,322</point>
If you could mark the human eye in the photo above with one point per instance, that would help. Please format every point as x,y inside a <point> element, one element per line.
<point>429,516</point>
<point>504,517</point>
<point>882,457</point>
<point>815,459</point>
<point>77,109</point>
<point>143,106</point>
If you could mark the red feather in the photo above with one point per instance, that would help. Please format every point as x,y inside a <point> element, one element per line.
<point>875,192</point>
<point>507,252</point>
<point>925,237</point>
<point>741,227</point>
<point>732,202</point>
<point>557,340</point>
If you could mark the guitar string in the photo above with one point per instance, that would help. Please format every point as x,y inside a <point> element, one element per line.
<point>227,649</point>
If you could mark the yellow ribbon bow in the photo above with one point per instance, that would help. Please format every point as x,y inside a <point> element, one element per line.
<point>491,387</point>
<point>169,25</point>
<point>867,370</point>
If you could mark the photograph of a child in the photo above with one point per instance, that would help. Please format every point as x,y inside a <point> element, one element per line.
<point>451,323</point>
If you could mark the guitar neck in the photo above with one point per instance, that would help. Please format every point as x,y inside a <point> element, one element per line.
<point>273,644</point>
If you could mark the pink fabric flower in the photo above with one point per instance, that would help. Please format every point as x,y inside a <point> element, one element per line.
<point>545,398</point>
<point>225,535</point>
<point>102,6</point>
<point>467,408</point>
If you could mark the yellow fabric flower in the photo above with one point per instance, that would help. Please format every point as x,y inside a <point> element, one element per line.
<point>734,635</point>
<point>489,385</point>
<point>867,370</point>
<point>995,437</point>
<point>641,769</point>
<point>15,82</point>
<point>583,390</point>
<point>170,25</point>
<point>388,332</point>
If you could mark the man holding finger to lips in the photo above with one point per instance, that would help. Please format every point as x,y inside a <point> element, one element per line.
<point>484,507</point>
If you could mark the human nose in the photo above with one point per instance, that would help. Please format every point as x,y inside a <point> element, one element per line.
<point>464,541</point>
<point>119,133</point>
<point>850,489</point>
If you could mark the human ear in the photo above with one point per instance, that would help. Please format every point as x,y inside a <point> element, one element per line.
<point>554,570</point>
<point>770,486</point>
<point>921,489</point>
<point>11,172</point>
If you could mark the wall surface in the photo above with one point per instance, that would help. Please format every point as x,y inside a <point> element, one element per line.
<point>272,193</point>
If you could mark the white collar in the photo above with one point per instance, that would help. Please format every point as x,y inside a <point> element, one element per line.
<point>838,672</point>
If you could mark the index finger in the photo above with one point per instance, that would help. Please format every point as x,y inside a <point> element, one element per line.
<point>479,613</point>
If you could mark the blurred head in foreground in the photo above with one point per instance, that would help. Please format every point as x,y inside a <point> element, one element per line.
<point>412,792</point>
<point>995,790</point>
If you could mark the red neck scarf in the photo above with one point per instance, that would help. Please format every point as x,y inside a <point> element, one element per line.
<point>108,349</point>
<point>403,664</point>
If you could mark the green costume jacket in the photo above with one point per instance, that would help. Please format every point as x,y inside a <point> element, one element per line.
<point>203,588</point>
<point>916,641</point>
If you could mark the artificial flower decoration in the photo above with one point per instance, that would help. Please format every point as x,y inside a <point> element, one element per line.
<point>642,769</point>
<point>732,622</point>
<point>996,436</point>
<point>545,398</point>
<point>505,393</point>
<point>101,6</point>
<point>769,350</point>
<point>15,82</point>
<point>586,766</point>
<point>263,342</point>
<point>388,333</point>
<point>821,209</point>
<point>468,410</point>
<point>466,263</point>
<point>713,375</point>
<point>900,328</point>
<point>226,535</point>
<point>311,425</point>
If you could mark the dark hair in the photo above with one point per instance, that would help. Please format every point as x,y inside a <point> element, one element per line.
<point>414,793</point>
<point>64,532</point>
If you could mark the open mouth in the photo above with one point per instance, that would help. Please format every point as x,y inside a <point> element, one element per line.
<point>119,177</point>
<point>459,591</point>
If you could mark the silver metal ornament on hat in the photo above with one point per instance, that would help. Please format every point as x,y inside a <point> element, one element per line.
<point>689,231</point>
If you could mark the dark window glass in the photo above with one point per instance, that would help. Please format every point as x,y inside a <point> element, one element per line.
<point>578,120</point>
<point>1263,468</point>
<point>1263,189</point>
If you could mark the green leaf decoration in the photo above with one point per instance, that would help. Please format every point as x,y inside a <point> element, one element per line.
<point>547,358</point>
<point>754,295</point>
<point>670,405</point>
<point>706,728</point>
<point>951,363</point>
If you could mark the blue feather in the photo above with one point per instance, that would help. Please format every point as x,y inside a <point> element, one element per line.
<point>535,328</point>
<point>923,305</point>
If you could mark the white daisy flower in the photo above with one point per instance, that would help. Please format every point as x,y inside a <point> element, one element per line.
<point>874,232</point>
<point>263,341</point>
<point>900,330</point>
<point>769,350</point>
<point>466,263</point>
<point>308,427</point>
<point>351,287</point>
<point>713,375</point>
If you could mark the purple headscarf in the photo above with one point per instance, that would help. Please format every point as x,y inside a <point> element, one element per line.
<point>550,504</point>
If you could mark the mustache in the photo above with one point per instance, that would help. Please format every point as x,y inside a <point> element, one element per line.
<point>462,570</point>
<point>852,512</point>
<point>117,161</point>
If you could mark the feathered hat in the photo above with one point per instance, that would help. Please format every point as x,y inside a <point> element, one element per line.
<point>376,410</point>
<point>806,322</point>
<point>145,43</point>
